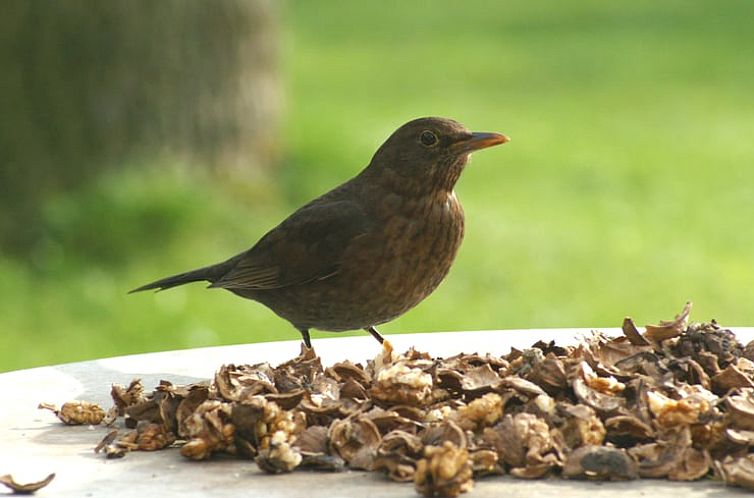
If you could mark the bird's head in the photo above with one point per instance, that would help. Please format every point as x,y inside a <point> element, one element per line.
<point>430,153</point>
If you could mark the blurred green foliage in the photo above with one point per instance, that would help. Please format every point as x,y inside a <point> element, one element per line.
<point>628,186</point>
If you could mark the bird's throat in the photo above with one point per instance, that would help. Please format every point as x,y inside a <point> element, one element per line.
<point>439,180</point>
<point>446,174</point>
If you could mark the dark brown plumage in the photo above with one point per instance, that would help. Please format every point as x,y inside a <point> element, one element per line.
<point>367,251</point>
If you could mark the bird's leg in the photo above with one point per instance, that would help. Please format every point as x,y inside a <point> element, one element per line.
<point>307,339</point>
<point>375,334</point>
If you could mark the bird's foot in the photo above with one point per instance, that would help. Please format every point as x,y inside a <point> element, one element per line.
<point>307,339</point>
<point>375,334</point>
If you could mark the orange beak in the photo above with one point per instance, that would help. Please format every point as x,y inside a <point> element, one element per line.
<point>480,140</point>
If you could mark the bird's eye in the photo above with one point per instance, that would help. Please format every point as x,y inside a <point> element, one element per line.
<point>428,138</point>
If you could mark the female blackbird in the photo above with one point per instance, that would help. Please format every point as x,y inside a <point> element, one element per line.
<point>370,249</point>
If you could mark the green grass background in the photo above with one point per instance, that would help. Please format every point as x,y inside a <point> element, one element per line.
<point>628,187</point>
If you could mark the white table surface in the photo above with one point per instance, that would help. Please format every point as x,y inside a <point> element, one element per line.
<point>33,443</point>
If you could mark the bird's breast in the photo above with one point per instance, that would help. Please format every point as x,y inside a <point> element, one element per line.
<point>413,247</point>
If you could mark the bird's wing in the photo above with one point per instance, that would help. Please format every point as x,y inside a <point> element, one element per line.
<point>307,246</point>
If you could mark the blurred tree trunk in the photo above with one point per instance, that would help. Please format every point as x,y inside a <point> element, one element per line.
<point>86,84</point>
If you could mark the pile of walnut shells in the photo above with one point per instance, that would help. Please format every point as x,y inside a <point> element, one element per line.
<point>675,402</point>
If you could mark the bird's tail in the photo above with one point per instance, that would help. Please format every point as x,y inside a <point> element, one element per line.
<point>208,274</point>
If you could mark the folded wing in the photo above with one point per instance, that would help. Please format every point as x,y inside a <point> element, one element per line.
<point>307,246</point>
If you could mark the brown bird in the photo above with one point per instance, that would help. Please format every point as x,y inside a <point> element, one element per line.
<point>367,251</point>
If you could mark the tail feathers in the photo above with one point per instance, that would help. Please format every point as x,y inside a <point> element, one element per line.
<point>208,274</point>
